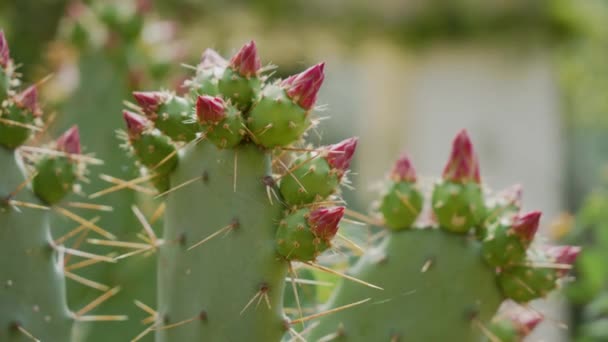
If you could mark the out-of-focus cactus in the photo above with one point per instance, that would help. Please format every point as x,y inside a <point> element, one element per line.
<point>446,271</point>
<point>34,181</point>
<point>105,50</point>
<point>224,158</point>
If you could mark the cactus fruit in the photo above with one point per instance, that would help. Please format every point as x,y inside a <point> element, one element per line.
<point>457,270</point>
<point>32,293</point>
<point>227,180</point>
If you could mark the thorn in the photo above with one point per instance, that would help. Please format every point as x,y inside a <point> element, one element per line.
<point>86,282</point>
<point>91,206</point>
<point>20,124</point>
<point>144,333</point>
<point>113,243</point>
<point>102,318</point>
<point>220,231</point>
<point>362,217</point>
<point>80,157</point>
<point>17,203</point>
<point>22,330</point>
<point>142,219</point>
<point>309,282</point>
<point>86,255</point>
<point>22,185</point>
<point>294,276</point>
<point>486,331</point>
<point>329,312</point>
<point>97,301</point>
<point>174,325</point>
<point>75,231</point>
<point>427,264</point>
<point>85,222</point>
<point>121,184</point>
<point>130,254</point>
<point>177,187</point>
<point>158,213</point>
<point>345,276</point>
<point>145,308</point>
<point>292,175</point>
<point>356,248</point>
<point>263,291</point>
<point>85,263</point>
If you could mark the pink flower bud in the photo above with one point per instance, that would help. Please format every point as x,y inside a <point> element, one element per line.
<point>304,87</point>
<point>28,99</point>
<point>403,171</point>
<point>525,321</point>
<point>210,109</point>
<point>246,62</point>
<point>340,155</point>
<point>211,58</point>
<point>463,165</point>
<point>526,225</point>
<point>149,101</point>
<point>324,221</point>
<point>4,51</point>
<point>69,141</point>
<point>136,124</point>
<point>564,255</point>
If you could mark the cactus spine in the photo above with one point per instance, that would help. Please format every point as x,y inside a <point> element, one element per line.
<point>32,291</point>
<point>222,158</point>
<point>460,262</point>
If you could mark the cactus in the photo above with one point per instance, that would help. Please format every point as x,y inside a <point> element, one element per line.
<point>224,158</point>
<point>34,180</point>
<point>460,261</point>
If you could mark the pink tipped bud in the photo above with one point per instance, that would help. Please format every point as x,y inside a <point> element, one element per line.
<point>210,109</point>
<point>564,255</point>
<point>246,62</point>
<point>136,124</point>
<point>340,155</point>
<point>149,101</point>
<point>28,99</point>
<point>526,225</point>
<point>324,221</point>
<point>304,87</point>
<point>211,58</point>
<point>69,141</point>
<point>525,321</point>
<point>403,171</point>
<point>4,51</point>
<point>463,165</point>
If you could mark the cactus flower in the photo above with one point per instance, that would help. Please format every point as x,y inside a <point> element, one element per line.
<point>136,124</point>
<point>304,87</point>
<point>149,101</point>
<point>403,170</point>
<point>340,155</point>
<point>4,51</point>
<point>526,225</point>
<point>69,141</point>
<point>324,221</point>
<point>211,58</point>
<point>463,166</point>
<point>28,99</point>
<point>246,62</point>
<point>210,109</point>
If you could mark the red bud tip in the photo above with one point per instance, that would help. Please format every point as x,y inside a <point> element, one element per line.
<point>4,51</point>
<point>28,99</point>
<point>403,171</point>
<point>526,225</point>
<point>69,141</point>
<point>525,321</point>
<point>210,109</point>
<point>303,87</point>
<point>246,62</point>
<point>135,123</point>
<point>340,155</point>
<point>211,58</point>
<point>564,254</point>
<point>324,221</point>
<point>149,101</point>
<point>463,165</point>
<point>143,6</point>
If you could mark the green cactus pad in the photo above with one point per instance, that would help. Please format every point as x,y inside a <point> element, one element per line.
<point>227,133</point>
<point>214,282</point>
<point>151,149</point>
<point>401,205</point>
<point>523,283</point>
<point>32,287</point>
<point>458,207</point>
<point>504,330</point>
<point>434,285</point>
<point>5,84</point>
<point>275,120</point>
<point>241,91</point>
<point>175,118</point>
<point>206,82</point>
<point>313,181</point>
<point>501,247</point>
<point>54,179</point>
<point>13,135</point>
<point>295,239</point>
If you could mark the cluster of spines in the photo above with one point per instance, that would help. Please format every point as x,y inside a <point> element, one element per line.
<point>524,272</point>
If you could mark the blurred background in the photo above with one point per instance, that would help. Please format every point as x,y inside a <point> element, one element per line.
<point>527,79</point>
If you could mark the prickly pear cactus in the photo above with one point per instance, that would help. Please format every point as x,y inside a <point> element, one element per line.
<point>32,291</point>
<point>224,158</point>
<point>444,273</point>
